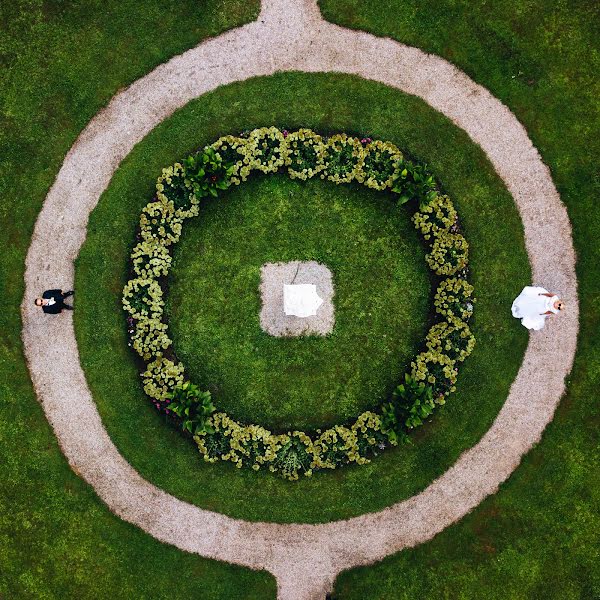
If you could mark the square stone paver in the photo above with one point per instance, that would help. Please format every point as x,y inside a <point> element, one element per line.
<point>273,319</point>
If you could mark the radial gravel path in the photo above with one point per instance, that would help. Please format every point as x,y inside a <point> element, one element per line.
<point>305,559</point>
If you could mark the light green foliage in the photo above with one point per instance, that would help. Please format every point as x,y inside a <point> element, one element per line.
<point>435,218</point>
<point>452,337</point>
<point>454,298</point>
<point>234,151</point>
<point>341,159</point>
<point>449,254</point>
<point>151,259</point>
<point>267,149</point>
<point>160,223</point>
<point>143,298</point>
<point>161,377</point>
<point>150,337</point>
<point>306,152</point>
<point>174,186</point>
<point>379,166</point>
<point>436,369</point>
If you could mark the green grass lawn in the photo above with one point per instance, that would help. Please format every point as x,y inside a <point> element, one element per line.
<point>536,538</point>
<point>324,103</point>
<point>61,63</point>
<point>382,297</point>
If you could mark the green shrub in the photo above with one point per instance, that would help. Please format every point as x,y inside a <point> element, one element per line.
<point>342,156</point>
<point>449,254</point>
<point>333,447</point>
<point>414,182</point>
<point>306,152</point>
<point>454,298</point>
<point>295,456</point>
<point>436,369</point>
<point>380,165</point>
<point>174,186</point>
<point>267,149</point>
<point>150,259</point>
<point>192,406</point>
<point>150,338</point>
<point>412,403</point>
<point>435,218</point>
<point>161,377</point>
<point>234,153</point>
<point>207,173</point>
<point>159,223</point>
<point>143,299</point>
<point>452,337</point>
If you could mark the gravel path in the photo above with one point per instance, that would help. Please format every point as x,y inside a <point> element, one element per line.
<point>305,559</point>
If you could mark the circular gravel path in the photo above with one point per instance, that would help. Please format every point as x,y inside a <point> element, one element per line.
<point>305,559</point>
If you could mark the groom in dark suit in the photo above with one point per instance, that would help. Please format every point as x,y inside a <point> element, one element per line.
<point>53,301</point>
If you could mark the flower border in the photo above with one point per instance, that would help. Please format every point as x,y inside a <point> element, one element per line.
<point>303,154</point>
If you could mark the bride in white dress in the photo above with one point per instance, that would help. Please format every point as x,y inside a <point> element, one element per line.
<point>534,305</point>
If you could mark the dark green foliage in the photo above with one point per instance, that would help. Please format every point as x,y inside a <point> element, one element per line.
<point>208,173</point>
<point>413,402</point>
<point>192,406</point>
<point>178,192</point>
<point>414,181</point>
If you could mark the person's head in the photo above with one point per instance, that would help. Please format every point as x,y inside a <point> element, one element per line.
<point>559,304</point>
<point>39,302</point>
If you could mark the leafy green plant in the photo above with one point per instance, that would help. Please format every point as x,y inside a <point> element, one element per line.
<point>294,457</point>
<point>391,425</point>
<point>413,403</point>
<point>207,173</point>
<point>413,181</point>
<point>192,406</point>
<point>143,298</point>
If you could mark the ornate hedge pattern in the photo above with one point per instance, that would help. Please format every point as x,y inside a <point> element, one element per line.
<point>303,154</point>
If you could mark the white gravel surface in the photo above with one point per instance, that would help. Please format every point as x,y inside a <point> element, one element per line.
<point>273,319</point>
<point>305,559</point>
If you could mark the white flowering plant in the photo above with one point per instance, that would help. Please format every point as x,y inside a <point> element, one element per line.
<point>302,154</point>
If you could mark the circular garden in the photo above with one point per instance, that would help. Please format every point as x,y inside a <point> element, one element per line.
<point>244,217</point>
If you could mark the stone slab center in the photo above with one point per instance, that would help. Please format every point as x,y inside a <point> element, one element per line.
<point>297,299</point>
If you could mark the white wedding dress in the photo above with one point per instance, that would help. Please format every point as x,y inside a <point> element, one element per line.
<point>530,306</point>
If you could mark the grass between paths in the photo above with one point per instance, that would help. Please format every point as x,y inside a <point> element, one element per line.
<point>324,103</point>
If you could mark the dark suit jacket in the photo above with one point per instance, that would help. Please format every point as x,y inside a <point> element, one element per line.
<point>59,300</point>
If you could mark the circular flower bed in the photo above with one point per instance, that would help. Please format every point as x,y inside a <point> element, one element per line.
<point>303,154</point>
